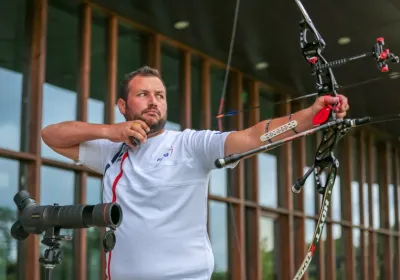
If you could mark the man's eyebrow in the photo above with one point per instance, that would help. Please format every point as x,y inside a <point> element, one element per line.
<point>157,91</point>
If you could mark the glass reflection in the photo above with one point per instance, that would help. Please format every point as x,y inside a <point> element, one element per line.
<point>355,205</point>
<point>357,252</point>
<point>219,238</point>
<point>130,57</point>
<point>196,89</point>
<point>392,218</point>
<point>267,248</point>
<point>93,234</point>
<point>309,193</point>
<point>98,68</point>
<point>375,206</point>
<point>340,252</point>
<point>12,40</point>
<point>57,186</point>
<point>268,179</point>
<point>366,208</point>
<point>59,92</point>
<point>8,215</point>
<point>171,73</point>
<point>219,182</point>
<point>336,210</point>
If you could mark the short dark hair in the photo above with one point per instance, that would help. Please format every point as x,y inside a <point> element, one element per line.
<point>145,71</point>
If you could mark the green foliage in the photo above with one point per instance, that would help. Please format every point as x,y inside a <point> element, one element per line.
<point>267,261</point>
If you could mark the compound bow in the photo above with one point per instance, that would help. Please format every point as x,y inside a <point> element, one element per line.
<point>333,129</point>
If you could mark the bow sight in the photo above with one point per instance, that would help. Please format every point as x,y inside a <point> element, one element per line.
<point>382,57</point>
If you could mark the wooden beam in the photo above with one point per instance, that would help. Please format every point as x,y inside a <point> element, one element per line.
<point>301,162</point>
<point>33,81</point>
<point>154,51</point>
<point>361,179</point>
<point>205,95</point>
<point>348,172</point>
<point>253,259</point>
<point>396,183</point>
<point>186,93</point>
<point>384,181</point>
<point>237,184</point>
<point>286,198</point>
<point>85,22</point>
<point>371,179</point>
<point>112,58</point>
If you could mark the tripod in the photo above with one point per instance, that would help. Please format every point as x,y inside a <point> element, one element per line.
<point>53,255</point>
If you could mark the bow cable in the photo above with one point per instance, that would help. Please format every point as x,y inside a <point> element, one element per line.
<point>228,64</point>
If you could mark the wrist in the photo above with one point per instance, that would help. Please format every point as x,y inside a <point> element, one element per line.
<point>105,131</point>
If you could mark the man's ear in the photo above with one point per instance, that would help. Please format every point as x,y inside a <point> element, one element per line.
<point>121,106</point>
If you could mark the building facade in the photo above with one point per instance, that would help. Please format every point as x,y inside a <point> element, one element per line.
<point>62,60</point>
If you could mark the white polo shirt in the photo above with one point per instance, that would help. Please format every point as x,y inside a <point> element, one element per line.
<point>162,188</point>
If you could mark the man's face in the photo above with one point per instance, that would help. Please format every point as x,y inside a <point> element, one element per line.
<point>147,101</point>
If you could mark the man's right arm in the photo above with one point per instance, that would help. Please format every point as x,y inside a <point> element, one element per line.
<point>65,137</point>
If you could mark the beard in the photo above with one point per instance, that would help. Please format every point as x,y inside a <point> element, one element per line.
<point>154,126</point>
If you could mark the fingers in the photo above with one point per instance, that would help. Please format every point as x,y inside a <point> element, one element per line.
<point>138,129</point>
<point>340,100</point>
<point>141,124</point>
<point>343,108</point>
<point>330,100</point>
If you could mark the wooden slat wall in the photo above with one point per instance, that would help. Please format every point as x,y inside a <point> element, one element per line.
<point>346,193</point>
<point>238,250</point>
<point>384,181</point>
<point>301,248</point>
<point>80,244</point>
<point>33,81</point>
<point>253,260</point>
<point>112,58</point>
<point>396,183</point>
<point>371,179</point>
<point>286,226</point>
<point>362,180</point>
<point>186,99</point>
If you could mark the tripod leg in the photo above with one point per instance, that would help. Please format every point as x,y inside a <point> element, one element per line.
<point>48,271</point>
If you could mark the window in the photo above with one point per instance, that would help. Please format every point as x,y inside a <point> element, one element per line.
<point>268,174</point>
<point>130,57</point>
<point>62,64</point>
<point>98,68</point>
<point>93,234</point>
<point>196,88</point>
<point>217,76</point>
<point>357,252</point>
<point>267,248</point>
<point>57,186</point>
<point>171,74</point>
<point>13,118</point>
<point>219,238</point>
<point>9,186</point>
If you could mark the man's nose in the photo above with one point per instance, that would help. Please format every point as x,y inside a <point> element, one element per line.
<point>152,99</point>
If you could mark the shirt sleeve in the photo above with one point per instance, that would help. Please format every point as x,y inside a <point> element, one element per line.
<point>95,153</point>
<point>207,146</point>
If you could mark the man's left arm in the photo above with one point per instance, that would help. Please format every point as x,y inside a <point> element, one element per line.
<point>247,139</point>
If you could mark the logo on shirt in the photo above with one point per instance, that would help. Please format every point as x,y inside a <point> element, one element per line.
<point>167,154</point>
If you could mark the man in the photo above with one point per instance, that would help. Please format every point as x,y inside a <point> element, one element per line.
<point>161,184</point>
